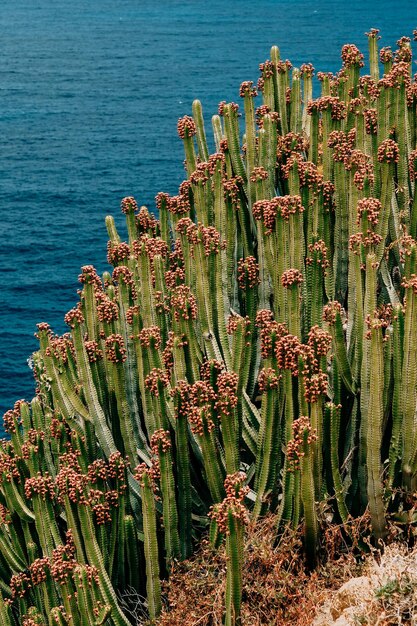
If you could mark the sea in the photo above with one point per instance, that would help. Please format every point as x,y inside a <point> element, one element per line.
<point>90,95</point>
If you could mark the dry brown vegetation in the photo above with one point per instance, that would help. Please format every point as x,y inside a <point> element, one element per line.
<point>278,589</point>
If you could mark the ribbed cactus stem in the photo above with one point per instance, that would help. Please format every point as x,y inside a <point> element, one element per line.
<point>201,133</point>
<point>307,498</point>
<point>333,417</point>
<point>374,430</point>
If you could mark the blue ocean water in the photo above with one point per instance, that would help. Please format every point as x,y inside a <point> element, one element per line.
<point>91,91</point>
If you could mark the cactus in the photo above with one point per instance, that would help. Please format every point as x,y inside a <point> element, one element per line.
<point>265,322</point>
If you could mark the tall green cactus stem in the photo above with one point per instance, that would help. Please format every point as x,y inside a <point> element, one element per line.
<point>161,447</point>
<point>231,126</point>
<point>231,517</point>
<point>409,380</point>
<point>153,586</point>
<point>187,129</point>
<point>268,440</point>
<point>333,418</point>
<point>201,133</point>
<point>181,393</point>
<point>374,426</point>
<point>96,558</point>
<point>397,367</point>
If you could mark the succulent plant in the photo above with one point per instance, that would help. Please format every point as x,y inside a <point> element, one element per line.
<point>265,323</point>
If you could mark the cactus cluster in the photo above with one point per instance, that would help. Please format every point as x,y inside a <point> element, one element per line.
<point>254,349</point>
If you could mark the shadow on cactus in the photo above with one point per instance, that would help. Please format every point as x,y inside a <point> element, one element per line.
<point>253,350</point>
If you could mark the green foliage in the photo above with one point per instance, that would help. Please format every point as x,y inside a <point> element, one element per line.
<point>265,323</point>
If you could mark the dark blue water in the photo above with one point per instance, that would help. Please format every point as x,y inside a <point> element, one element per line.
<point>91,91</point>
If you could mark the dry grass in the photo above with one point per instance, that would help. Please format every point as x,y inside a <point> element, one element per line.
<point>278,589</point>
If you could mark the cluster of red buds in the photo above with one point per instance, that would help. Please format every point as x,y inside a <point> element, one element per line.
<point>369,241</point>
<point>388,152</point>
<point>330,311</point>
<point>247,89</point>
<point>186,127</point>
<point>407,247</point>
<point>60,348</point>
<point>268,379</point>
<point>289,143</point>
<point>201,174</point>
<point>232,504</point>
<point>63,561</point>
<point>183,303</point>
<point>43,327</point>
<point>412,165</point>
<point>99,506</point>
<point>248,273</point>
<point>160,442</point>
<point>380,318</point>
<point>89,276</point>
<point>236,322</point>
<point>124,275</point>
<point>131,313</point>
<point>128,205</point>
<point>370,208</point>
<point>267,69</point>
<point>232,188</point>
<point>181,394</point>
<point>150,337</point>
<point>368,88</point>
<point>94,353</point>
<point>342,144</point>
<point>74,316</point>
<point>283,66</point>
<point>72,483</point>
<point>116,469</point>
<point>315,386</point>
<point>152,472</point>
<point>208,236</point>
<point>265,211</point>
<point>227,393</point>
<point>291,277</point>
<point>410,283</point>
<point>287,351</point>
<point>40,485</point>
<point>107,310</point>
<point>318,255</point>
<point>306,70</point>
<point>260,113</point>
<point>258,174</point>
<point>373,34</point>
<point>371,121</point>
<point>8,467</point>
<point>97,471</point>
<point>302,433</point>
<point>173,278</point>
<point>147,223</point>
<point>334,104</point>
<point>271,333</point>
<point>177,205</point>
<point>232,107</point>
<point>11,421</point>
<point>319,341</point>
<point>202,399</point>
<point>351,56</point>
<point>115,348</point>
<point>156,379</point>
<point>32,442</point>
<point>210,370</point>
<point>117,252</point>
<point>403,54</point>
<point>5,515</point>
<point>363,168</point>
<point>308,172</point>
<point>167,352</point>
